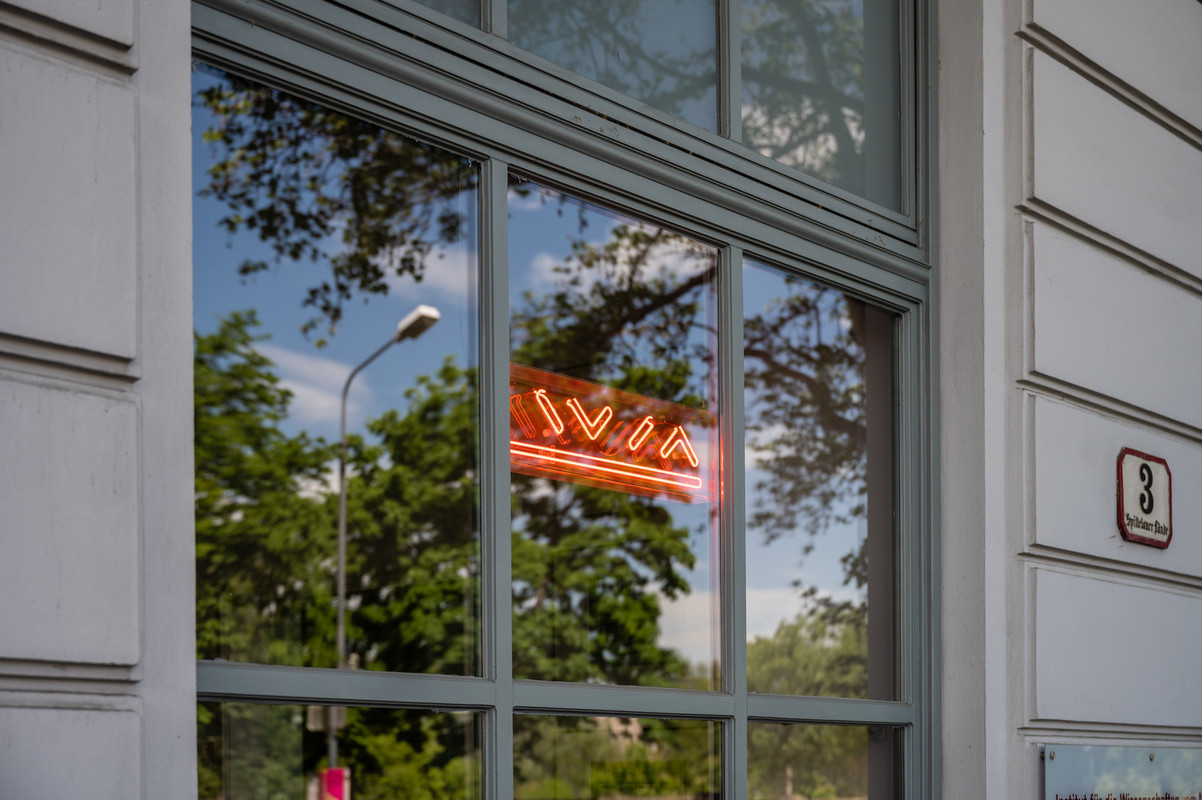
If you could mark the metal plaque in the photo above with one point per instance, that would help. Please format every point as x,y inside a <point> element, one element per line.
<point>1076,772</point>
<point>1145,498</point>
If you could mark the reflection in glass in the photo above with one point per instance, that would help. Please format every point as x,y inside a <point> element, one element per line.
<point>662,52</point>
<point>314,234</point>
<point>821,90</point>
<point>579,758</point>
<point>831,761</point>
<point>818,401</point>
<point>463,10</point>
<point>614,512</point>
<point>280,751</point>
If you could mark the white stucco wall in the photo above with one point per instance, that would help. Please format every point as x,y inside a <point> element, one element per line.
<point>1071,295</point>
<point>97,678</point>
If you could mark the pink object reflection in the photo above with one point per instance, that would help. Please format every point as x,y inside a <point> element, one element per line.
<point>336,784</point>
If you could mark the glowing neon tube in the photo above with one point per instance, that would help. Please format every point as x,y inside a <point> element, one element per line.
<point>606,465</point>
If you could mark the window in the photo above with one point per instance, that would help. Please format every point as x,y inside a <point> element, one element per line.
<point>557,433</point>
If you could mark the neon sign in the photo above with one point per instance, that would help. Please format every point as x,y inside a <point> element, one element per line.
<point>573,430</point>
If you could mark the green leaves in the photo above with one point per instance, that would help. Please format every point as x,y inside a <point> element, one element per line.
<point>263,525</point>
<point>317,185</point>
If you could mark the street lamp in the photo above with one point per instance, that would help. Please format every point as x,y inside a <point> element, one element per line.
<point>414,324</point>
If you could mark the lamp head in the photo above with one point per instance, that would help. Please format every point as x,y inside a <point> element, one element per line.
<point>416,322</point>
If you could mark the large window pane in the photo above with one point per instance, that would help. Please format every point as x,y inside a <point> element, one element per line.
<point>579,758</point>
<point>822,90</point>
<point>254,752</point>
<point>613,445</point>
<point>315,233</point>
<point>662,52</point>
<point>463,10</point>
<point>840,762</point>
<point>818,401</point>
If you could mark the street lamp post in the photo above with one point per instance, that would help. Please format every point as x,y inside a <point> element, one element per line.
<point>414,324</point>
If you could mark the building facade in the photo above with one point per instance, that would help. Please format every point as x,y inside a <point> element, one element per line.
<point>996,216</point>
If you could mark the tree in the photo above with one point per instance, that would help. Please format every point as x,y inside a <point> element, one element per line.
<point>264,529</point>
<point>321,186</point>
<point>803,364</point>
<point>803,86</point>
<point>264,522</point>
<point>634,311</point>
<point>809,656</point>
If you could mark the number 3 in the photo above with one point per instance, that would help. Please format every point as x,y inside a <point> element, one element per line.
<point>1145,497</point>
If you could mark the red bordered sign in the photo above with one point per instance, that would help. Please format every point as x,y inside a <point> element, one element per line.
<point>568,429</point>
<point>1145,498</point>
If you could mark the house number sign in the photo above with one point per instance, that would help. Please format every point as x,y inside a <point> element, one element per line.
<point>1145,498</point>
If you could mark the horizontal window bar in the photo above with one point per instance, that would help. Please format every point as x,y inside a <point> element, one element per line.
<point>779,708</point>
<point>226,681</point>
<point>535,696</point>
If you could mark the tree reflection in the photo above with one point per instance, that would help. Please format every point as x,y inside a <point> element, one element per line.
<point>817,89</point>
<point>662,52</point>
<point>804,86</point>
<point>591,566</point>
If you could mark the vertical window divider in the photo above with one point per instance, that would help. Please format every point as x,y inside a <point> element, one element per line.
<point>909,46</point>
<point>496,546</point>
<point>730,69</point>
<point>734,574</point>
<point>494,17</point>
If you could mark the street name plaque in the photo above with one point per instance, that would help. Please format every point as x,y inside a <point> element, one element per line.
<point>1083,772</point>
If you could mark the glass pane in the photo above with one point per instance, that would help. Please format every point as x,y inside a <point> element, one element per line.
<point>287,751</point>
<point>822,91</point>
<point>818,400</point>
<point>315,233</point>
<point>463,10</point>
<point>662,52</point>
<point>613,446</point>
<point>840,762</point>
<point>578,758</point>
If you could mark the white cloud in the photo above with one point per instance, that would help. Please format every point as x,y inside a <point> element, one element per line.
<point>758,459</point>
<point>450,272</point>
<point>768,608</point>
<point>689,625</point>
<point>542,269</point>
<point>305,367</point>
<point>670,263</point>
<point>533,201</point>
<point>316,384</point>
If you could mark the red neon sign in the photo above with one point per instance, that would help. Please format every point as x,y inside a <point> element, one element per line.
<point>573,430</point>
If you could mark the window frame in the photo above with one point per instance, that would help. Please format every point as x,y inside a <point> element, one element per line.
<point>410,69</point>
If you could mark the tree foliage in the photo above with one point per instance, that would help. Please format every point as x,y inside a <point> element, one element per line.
<point>321,186</point>
<point>810,656</point>
<point>264,531</point>
<point>802,69</point>
<point>591,567</point>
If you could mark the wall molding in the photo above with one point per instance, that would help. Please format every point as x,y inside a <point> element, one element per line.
<point>55,678</point>
<point>1048,214</point>
<point>1082,565</point>
<point>1039,384</point>
<point>1057,48</point>
<point>45,359</point>
<point>66,40</point>
<point>1058,731</point>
